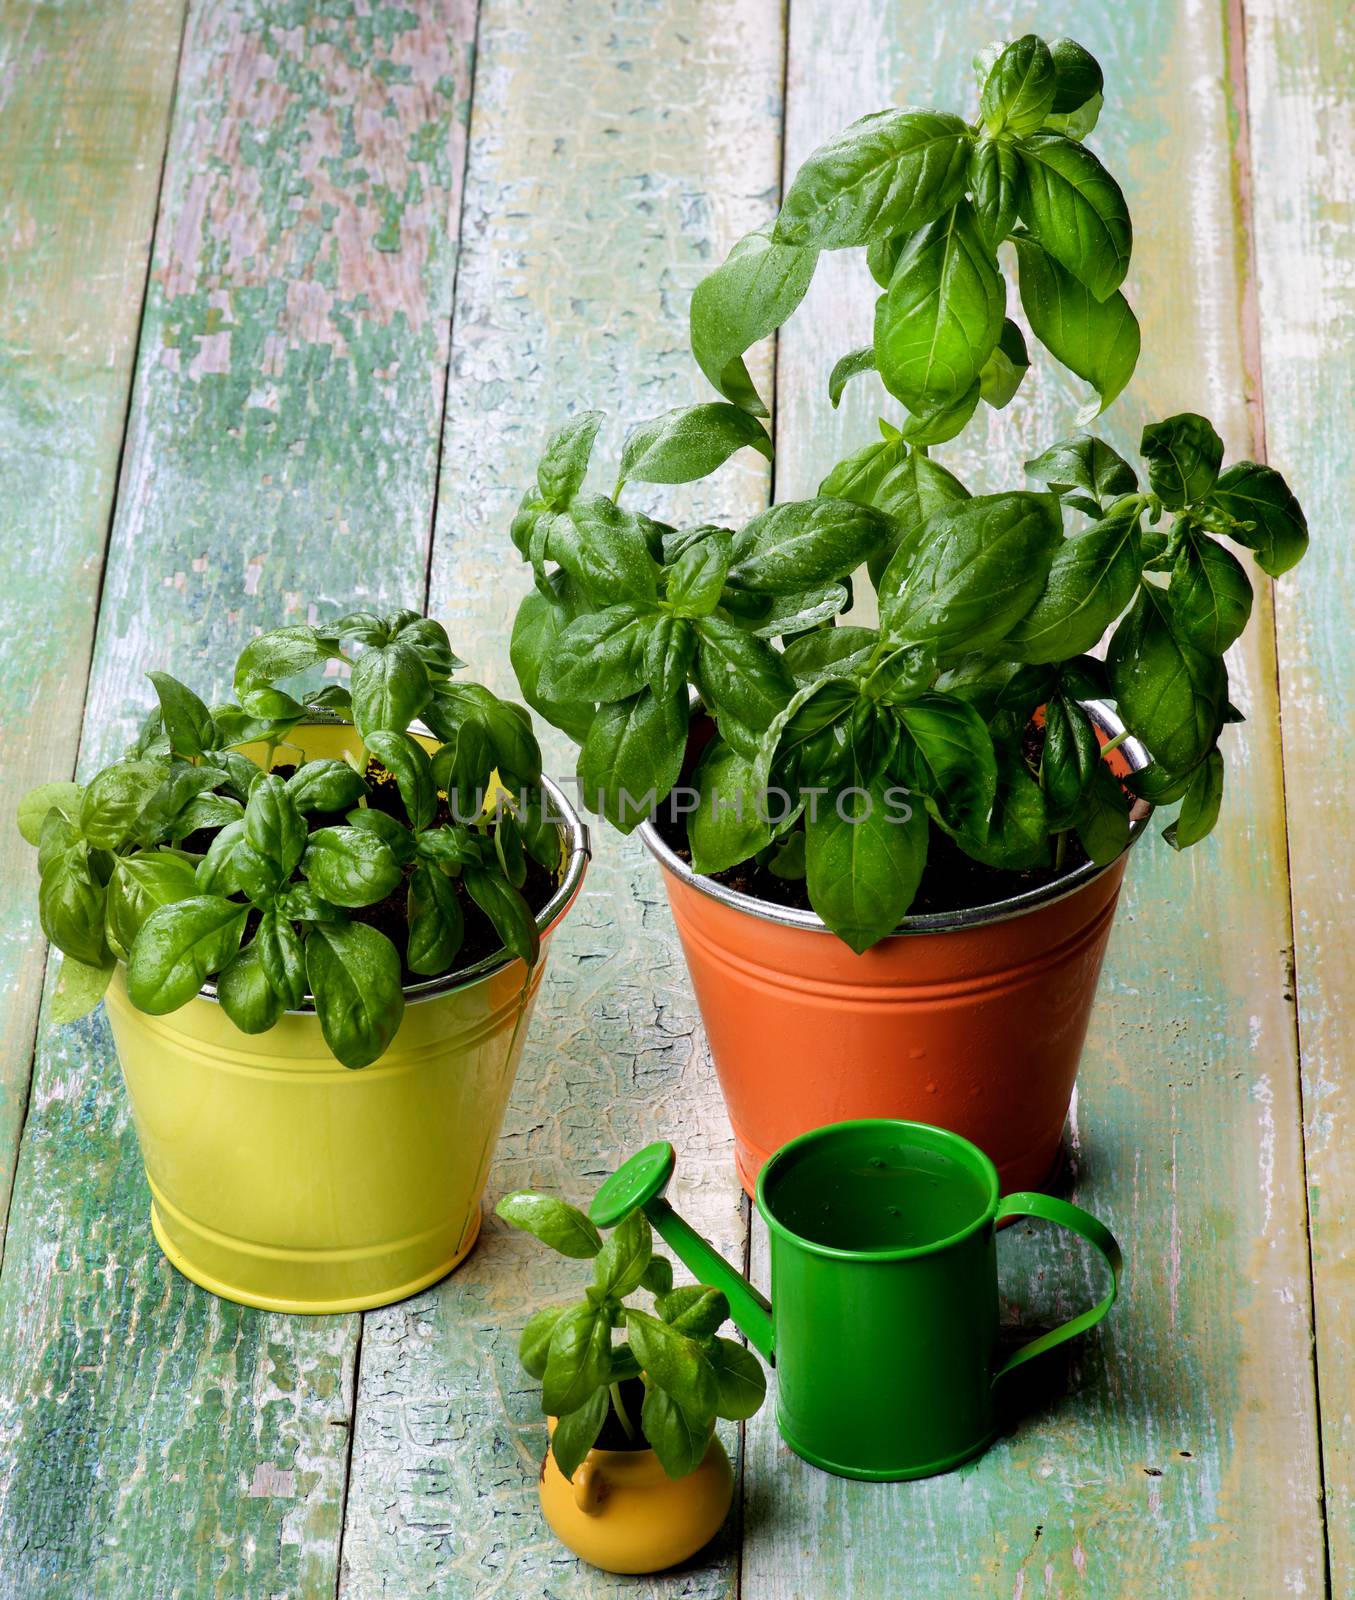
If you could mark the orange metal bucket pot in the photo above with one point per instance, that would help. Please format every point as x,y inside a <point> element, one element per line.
<point>970,1020</point>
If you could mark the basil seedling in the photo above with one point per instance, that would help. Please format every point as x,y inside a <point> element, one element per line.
<point>687,1374</point>
<point>190,861</point>
<point>841,752</point>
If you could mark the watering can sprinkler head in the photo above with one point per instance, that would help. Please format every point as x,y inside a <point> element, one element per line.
<point>637,1182</point>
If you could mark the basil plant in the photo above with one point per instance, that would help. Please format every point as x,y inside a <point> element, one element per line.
<point>842,752</point>
<point>666,1382</point>
<point>188,859</point>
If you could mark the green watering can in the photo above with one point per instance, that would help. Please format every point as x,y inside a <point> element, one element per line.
<point>883,1326</point>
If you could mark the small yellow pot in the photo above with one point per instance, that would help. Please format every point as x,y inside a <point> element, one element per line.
<point>281,1179</point>
<point>623,1513</point>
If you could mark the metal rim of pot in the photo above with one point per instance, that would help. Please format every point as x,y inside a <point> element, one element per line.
<point>1019,905</point>
<point>579,851</point>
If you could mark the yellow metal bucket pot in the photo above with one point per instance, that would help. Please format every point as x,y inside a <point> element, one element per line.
<point>280,1178</point>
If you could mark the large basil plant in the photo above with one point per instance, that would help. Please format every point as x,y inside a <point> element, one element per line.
<point>188,860</point>
<point>841,749</point>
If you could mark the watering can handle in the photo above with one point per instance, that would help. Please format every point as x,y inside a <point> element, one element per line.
<point>1080,1222</point>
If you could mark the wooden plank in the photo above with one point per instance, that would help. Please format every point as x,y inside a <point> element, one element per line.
<point>616,150</point>
<point>280,464</point>
<point>1299,60</point>
<point>1183,1459</point>
<point>84,100</point>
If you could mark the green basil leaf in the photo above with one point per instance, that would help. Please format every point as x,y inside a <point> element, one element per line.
<point>1076,210</point>
<point>832,653</point>
<point>1069,760</point>
<point>1084,462</point>
<point>185,718</point>
<point>726,828</point>
<point>938,321</point>
<point>580,1358</point>
<point>740,1381</point>
<point>865,849</point>
<point>673,1361</point>
<point>952,760</point>
<point>1170,693</point>
<point>601,656</point>
<point>236,774</point>
<point>694,1309</point>
<point>61,796</point>
<point>1200,806</point>
<point>689,443</point>
<point>506,909</point>
<point>658,1275</point>
<point>1096,339</point>
<point>216,872</point>
<point>982,566</point>
<point>79,988</point>
<point>436,926</point>
<point>273,707</point>
<point>325,786</point>
<point>541,620</point>
<point>563,1227</point>
<point>564,466</point>
<point>1278,535</point>
<point>749,295</point>
<point>350,866</point>
<point>282,955</point>
<point>1184,454</point>
<point>797,613</point>
<point>1004,369</point>
<point>58,835</point>
<point>354,974</point>
<point>428,639</point>
<point>1017,835</point>
<point>1210,596</point>
<point>205,811</point>
<point>995,182</point>
<point>140,884</point>
<point>1076,124</point>
<point>576,1432</point>
<point>273,825</point>
<point>283,653</point>
<point>1092,579</point>
<point>508,847</point>
<point>1021,88</point>
<point>820,705</point>
<point>740,678</point>
<point>897,479</point>
<point>364,626</point>
<point>71,904</point>
<point>1077,76</point>
<point>408,763</point>
<point>300,902</point>
<point>390,687</point>
<point>534,1345</point>
<point>450,847</point>
<point>889,172</point>
<point>605,549</point>
<point>794,546</point>
<point>114,800</point>
<point>1103,821</point>
<point>696,577</point>
<point>631,758</point>
<point>992,686</point>
<point>931,424</point>
<point>619,1267</point>
<point>179,947</point>
<point>333,697</point>
<point>246,995</point>
<point>679,1439</point>
<point>852,365</point>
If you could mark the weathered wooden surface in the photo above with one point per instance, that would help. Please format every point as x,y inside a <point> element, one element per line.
<point>616,149</point>
<point>85,93</point>
<point>280,463</point>
<point>284,435</point>
<point>1300,60</point>
<point>1183,1460</point>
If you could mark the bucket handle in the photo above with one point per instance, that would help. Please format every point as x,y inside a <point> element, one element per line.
<point>1096,1233</point>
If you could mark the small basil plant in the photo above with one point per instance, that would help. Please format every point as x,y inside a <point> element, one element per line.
<point>672,1355</point>
<point>843,752</point>
<point>188,859</point>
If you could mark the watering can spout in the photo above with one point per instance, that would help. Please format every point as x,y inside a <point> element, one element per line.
<point>641,1182</point>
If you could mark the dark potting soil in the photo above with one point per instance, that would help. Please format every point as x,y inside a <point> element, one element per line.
<point>951,880</point>
<point>613,1435</point>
